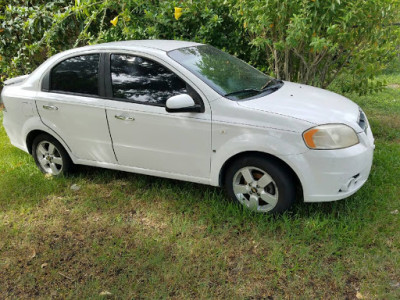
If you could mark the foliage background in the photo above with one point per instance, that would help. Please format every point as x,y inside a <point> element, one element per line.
<point>309,41</point>
<point>134,236</point>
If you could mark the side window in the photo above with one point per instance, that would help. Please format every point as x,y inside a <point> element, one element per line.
<point>79,74</point>
<point>138,79</point>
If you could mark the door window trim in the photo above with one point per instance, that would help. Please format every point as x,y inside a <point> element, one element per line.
<point>104,77</point>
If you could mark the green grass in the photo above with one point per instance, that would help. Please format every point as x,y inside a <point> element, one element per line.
<point>144,237</point>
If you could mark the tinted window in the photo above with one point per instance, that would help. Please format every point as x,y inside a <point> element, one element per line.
<point>76,75</point>
<point>141,80</point>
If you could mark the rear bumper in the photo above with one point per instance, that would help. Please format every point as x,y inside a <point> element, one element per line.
<point>329,175</point>
<point>13,134</point>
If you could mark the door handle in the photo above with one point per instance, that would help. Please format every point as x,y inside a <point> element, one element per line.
<point>50,107</point>
<point>124,118</point>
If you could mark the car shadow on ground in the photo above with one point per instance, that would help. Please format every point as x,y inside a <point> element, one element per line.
<point>208,195</point>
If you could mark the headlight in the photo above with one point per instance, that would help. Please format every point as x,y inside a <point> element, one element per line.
<point>330,136</point>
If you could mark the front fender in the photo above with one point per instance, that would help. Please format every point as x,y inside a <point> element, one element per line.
<point>277,143</point>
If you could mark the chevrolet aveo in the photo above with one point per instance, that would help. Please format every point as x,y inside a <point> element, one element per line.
<point>190,112</point>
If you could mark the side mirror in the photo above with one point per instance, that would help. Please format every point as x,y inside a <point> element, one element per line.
<point>182,103</point>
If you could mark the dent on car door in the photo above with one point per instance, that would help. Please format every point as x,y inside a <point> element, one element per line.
<point>144,134</point>
<point>70,106</point>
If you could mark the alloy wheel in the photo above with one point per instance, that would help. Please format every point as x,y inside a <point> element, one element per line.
<point>255,189</point>
<point>49,158</point>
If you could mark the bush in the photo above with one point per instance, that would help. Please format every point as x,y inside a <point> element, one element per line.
<point>309,41</point>
<point>34,30</point>
<point>23,30</point>
<point>315,41</point>
<point>205,21</point>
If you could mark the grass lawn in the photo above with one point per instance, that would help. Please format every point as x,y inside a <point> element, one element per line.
<point>134,236</point>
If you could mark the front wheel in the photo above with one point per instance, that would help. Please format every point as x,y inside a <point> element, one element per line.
<point>261,185</point>
<point>50,156</point>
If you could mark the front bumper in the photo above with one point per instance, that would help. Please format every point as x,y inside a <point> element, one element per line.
<point>328,175</point>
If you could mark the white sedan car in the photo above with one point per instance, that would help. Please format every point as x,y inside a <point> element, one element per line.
<point>191,112</point>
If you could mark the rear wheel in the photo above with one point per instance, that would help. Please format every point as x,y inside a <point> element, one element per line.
<point>260,185</point>
<point>50,156</point>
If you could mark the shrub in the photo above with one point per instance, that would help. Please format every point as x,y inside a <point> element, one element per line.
<point>205,21</point>
<point>309,41</point>
<point>23,28</point>
<point>314,41</point>
<point>34,30</point>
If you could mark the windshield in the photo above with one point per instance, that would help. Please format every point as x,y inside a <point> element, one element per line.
<point>226,74</point>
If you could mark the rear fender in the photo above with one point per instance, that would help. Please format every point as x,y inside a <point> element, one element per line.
<point>35,124</point>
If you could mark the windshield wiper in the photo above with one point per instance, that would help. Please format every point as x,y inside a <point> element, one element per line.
<point>269,85</point>
<point>272,83</point>
<point>243,91</point>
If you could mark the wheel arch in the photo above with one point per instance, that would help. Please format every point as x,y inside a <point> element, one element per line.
<point>30,137</point>
<point>229,161</point>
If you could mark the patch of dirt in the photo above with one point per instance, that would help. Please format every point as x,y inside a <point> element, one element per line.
<point>393,86</point>
<point>391,121</point>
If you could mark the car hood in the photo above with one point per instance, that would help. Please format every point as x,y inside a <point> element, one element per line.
<point>307,103</point>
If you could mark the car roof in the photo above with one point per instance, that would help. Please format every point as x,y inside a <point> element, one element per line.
<point>163,45</point>
<point>136,45</point>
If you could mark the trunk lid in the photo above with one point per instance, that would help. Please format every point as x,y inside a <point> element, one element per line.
<point>15,80</point>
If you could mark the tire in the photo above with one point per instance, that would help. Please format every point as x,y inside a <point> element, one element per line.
<point>50,156</point>
<point>260,185</point>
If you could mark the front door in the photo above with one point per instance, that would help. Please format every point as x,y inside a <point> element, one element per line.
<point>144,134</point>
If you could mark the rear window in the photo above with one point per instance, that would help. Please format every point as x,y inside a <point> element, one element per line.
<point>77,75</point>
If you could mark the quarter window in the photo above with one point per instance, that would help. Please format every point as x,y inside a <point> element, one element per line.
<point>77,74</point>
<point>137,79</point>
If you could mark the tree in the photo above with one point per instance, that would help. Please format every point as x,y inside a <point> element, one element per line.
<point>308,41</point>
<point>315,41</point>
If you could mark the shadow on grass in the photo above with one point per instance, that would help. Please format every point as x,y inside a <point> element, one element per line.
<point>186,197</point>
<point>107,191</point>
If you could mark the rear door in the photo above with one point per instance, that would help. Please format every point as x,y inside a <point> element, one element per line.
<point>70,105</point>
